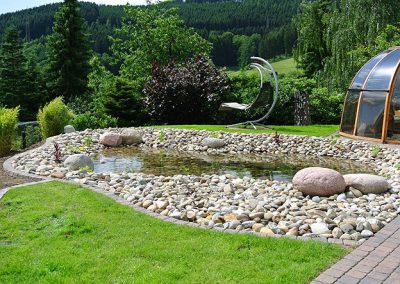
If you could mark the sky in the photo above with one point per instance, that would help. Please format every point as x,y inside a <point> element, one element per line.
<point>15,5</point>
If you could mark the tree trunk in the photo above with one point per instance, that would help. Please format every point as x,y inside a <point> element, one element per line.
<point>302,109</point>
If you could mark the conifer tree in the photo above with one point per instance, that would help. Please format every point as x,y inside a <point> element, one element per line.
<point>12,72</point>
<point>124,103</point>
<point>68,53</point>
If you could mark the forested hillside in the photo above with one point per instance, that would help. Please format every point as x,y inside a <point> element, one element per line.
<point>237,29</point>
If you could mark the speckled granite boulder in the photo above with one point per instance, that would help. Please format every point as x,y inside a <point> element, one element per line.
<point>367,183</point>
<point>319,181</point>
<point>213,143</point>
<point>78,161</point>
<point>131,137</point>
<point>111,139</point>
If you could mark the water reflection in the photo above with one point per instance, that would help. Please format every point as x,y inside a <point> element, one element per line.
<point>171,162</point>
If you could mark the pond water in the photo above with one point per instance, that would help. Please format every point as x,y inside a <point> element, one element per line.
<point>170,162</point>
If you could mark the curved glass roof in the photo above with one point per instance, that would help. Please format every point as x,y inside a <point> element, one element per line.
<point>372,106</point>
<point>377,74</point>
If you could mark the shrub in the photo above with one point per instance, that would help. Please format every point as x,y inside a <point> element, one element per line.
<point>187,93</point>
<point>8,124</point>
<point>325,106</point>
<point>125,102</point>
<point>93,121</point>
<point>53,117</point>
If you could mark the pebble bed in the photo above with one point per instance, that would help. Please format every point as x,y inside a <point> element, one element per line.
<point>229,203</point>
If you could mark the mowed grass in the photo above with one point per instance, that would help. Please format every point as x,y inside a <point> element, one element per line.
<point>284,66</point>
<point>62,233</point>
<point>309,130</point>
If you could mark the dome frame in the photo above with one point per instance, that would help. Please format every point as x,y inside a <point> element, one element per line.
<point>371,109</point>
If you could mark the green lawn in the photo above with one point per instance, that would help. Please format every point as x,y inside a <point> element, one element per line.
<point>310,130</point>
<point>62,233</point>
<point>281,67</point>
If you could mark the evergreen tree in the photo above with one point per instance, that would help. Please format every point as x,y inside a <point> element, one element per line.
<point>12,73</point>
<point>17,86</point>
<point>124,103</point>
<point>68,54</point>
<point>248,47</point>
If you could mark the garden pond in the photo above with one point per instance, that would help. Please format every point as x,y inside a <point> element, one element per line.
<point>168,162</point>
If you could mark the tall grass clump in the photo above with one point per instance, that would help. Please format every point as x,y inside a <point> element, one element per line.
<point>53,117</point>
<point>8,124</point>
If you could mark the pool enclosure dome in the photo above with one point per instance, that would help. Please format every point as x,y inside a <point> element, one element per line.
<point>372,106</point>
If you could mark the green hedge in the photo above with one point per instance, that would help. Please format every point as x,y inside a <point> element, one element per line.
<point>8,124</point>
<point>93,120</point>
<point>53,117</point>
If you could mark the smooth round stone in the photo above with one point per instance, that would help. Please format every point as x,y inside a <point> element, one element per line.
<point>367,183</point>
<point>316,199</point>
<point>366,234</point>
<point>214,143</point>
<point>111,139</point>
<point>319,181</point>
<point>131,137</point>
<point>320,228</point>
<point>78,161</point>
<point>69,129</point>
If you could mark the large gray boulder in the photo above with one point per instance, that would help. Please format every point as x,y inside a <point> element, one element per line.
<point>367,183</point>
<point>316,181</point>
<point>213,143</point>
<point>77,161</point>
<point>68,129</point>
<point>111,139</point>
<point>131,137</point>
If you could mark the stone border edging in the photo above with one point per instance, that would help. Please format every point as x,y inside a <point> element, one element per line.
<point>375,261</point>
<point>9,169</point>
<point>7,165</point>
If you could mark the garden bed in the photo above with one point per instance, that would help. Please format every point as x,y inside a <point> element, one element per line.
<point>226,202</point>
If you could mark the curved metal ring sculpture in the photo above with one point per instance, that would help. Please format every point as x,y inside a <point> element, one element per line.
<point>265,70</point>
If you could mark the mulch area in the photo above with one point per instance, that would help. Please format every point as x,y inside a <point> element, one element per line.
<point>7,180</point>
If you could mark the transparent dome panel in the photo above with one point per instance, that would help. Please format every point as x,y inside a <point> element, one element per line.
<point>383,73</point>
<point>359,80</point>
<point>393,131</point>
<point>371,112</point>
<point>350,112</point>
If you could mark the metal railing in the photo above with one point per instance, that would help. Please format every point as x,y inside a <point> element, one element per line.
<point>22,129</point>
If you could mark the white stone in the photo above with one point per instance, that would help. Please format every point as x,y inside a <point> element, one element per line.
<point>366,233</point>
<point>320,228</point>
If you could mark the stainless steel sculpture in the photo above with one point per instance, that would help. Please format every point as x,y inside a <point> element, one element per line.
<point>268,85</point>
